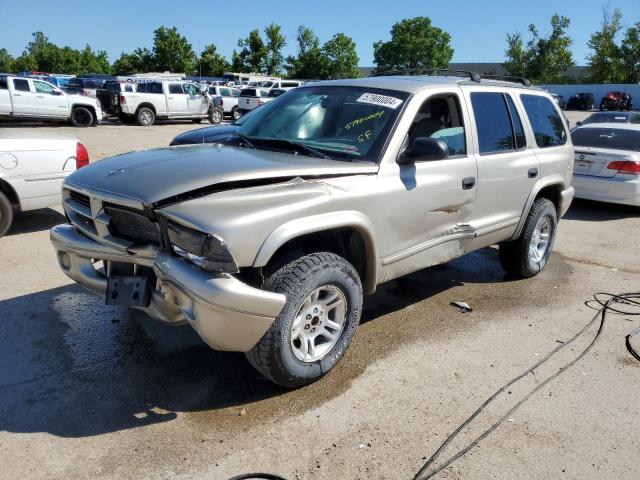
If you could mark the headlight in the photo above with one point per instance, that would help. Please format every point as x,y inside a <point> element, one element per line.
<point>203,249</point>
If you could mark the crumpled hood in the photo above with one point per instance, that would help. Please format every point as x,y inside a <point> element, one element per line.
<point>154,175</point>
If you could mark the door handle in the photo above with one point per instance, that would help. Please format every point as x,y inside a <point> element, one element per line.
<point>17,95</point>
<point>532,172</point>
<point>40,96</point>
<point>169,98</point>
<point>468,183</point>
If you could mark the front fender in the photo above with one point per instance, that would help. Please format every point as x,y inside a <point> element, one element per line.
<point>323,222</point>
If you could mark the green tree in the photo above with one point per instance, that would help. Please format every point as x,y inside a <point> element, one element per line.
<point>605,62</point>
<point>173,52</point>
<point>93,62</point>
<point>415,44</point>
<point>341,57</point>
<point>273,58</point>
<point>139,61</point>
<point>253,52</point>
<point>543,59</point>
<point>630,54</point>
<point>212,64</point>
<point>6,61</point>
<point>309,63</point>
<point>25,62</point>
<point>237,64</point>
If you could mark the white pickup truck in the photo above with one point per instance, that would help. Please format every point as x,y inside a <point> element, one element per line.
<point>251,98</point>
<point>29,98</point>
<point>167,100</point>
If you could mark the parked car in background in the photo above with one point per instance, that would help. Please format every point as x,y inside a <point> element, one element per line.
<point>611,117</point>
<point>27,98</point>
<point>616,101</point>
<point>109,96</point>
<point>268,244</point>
<point>559,99</point>
<point>251,98</point>
<point>607,162</point>
<point>581,101</point>
<point>215,134</point>
<point>85,86</point>
<point>282,84</point>
<point>166,100</point>
<point>229,99</point>
<point>32,168</point>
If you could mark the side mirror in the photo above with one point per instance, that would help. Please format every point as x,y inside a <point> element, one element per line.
<point>424,149</point>
<point>56,92</point>
<point>578,124</point>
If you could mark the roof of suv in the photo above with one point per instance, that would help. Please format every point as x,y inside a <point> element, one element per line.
<point>413,83</point>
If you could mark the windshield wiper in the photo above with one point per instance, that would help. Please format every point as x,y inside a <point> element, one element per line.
<point>245,139</point>
<point>310,151</point>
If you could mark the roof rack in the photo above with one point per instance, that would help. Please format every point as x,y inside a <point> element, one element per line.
<point>510,78</point>
<point>431,71</point>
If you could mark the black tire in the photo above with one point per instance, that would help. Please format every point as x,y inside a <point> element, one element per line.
<point>516,256</point>
<point>127,119</point>
<point>235,114</point>
<point>81,117</point>
<point>6,214</point>
<point>215,116</point>
<point>145,117</point>
<point>273,355</point>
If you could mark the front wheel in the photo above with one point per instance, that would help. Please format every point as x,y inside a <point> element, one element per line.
<point>235,114</point>
<point>527,255</point>
<point>81,117</point>
<point>317,323</point>
<point>215,116</point>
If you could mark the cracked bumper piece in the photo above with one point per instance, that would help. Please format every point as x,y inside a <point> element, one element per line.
<point>227,313</point>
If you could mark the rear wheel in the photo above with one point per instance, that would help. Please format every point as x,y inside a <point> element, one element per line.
<point>81,117</point>
<point>6,214</point>
<point>527,255</point>
<point>317,323</point>
<point>145,117</point>
<point>235,114</point>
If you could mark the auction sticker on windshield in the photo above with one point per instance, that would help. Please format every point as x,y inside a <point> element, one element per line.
<point>381,100</point>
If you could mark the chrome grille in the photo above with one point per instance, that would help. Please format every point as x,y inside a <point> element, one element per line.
<point>80,198</point>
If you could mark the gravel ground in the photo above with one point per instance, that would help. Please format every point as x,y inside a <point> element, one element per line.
<point>91,391</point>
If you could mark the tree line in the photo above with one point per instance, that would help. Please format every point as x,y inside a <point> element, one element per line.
<point>414,44</point>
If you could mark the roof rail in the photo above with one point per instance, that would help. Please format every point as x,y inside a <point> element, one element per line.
<point>430,71</point>
<point>509,78</point>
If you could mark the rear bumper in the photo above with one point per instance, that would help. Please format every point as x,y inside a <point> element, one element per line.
<point>227,313</point>
<point>623,189</point>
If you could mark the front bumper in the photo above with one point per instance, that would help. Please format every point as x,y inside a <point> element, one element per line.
<point>227,313</point>
<point>622,189</point>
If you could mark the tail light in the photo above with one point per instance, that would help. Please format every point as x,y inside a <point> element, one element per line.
<point>123,100</point>
<point>631,168</point>
<point>82,156</point>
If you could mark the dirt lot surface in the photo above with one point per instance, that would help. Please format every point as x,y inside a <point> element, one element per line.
<point>90,391</point>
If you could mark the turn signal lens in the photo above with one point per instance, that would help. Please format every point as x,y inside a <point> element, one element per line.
<point>631,168</point>
<point>82,156</point>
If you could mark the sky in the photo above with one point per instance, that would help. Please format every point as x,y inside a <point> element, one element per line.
<point>478,28</point>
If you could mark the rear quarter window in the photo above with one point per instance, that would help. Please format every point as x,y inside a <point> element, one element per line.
<point>548,127</point>
<point>21,85</point>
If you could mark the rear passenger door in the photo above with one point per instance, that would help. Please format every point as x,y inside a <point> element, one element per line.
<point>23,97</point>
<point>507,166</point>
<point>176,100</point>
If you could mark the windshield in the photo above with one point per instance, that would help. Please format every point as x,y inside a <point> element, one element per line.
<point>345,123</point>
<point>613,138</point>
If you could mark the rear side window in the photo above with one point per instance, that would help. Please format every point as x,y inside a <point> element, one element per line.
<point>518,130</point>
<point>3,83</point>
<point>493,122</point>
<point>548,127</point>
<point>175,88</point>
<point>225,92</point>
<point>21,85</point>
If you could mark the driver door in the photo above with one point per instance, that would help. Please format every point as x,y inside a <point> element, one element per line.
<point>50,101</point>
<point>431,202</point>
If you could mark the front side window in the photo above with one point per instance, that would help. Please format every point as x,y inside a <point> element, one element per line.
<point>191,89</point>
<point>343,123</point>
<point>224,92</point>
<point>42,87</point>
<point>440,117</point>
<point>175,88</point>
<point>548,127</point>
<point>235,92</point>
<point>493,122</point>
<point>21,85</point>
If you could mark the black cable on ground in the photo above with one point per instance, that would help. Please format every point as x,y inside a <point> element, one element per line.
<point>605,300</point>
<point>630,299</point>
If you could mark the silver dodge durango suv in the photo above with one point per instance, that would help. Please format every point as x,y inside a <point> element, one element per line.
<point>266,242</point>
